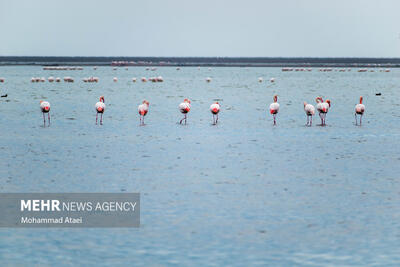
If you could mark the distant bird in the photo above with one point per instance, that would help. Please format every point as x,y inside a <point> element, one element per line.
<point>45,108</point>
<point>214,108</point>
<point>4,95</point>
<point>50,79</point>
<point>274,108</point>
<point>58,79</point>
<point>100,107</point>
<point>144,79</point>
<point>310,111</point>
<point>260,80</point>
<point>115,79</point>
<point>134,80</point>
<point>143,109</point>
<point>323,108</point>
<point>272,80</point>
<point>184,108</point>
<point>2,80</point>
<point>208,79</point>
<point>359,110</point>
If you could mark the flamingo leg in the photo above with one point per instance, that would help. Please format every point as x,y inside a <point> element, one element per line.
<point>274,119</point>
<point>355,116</point>
<point>142,120</point>
<point>307,120</point>
<point>311,120</point>
<point>48,116</point>
<point>216,121</point>
<point>97,114</point>
<point>183,119</point>
<point>44,119</point>
<point>361,118</point>
<point>101,119</point>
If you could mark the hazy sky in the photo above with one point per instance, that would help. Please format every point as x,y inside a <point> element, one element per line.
<point>317,28</point>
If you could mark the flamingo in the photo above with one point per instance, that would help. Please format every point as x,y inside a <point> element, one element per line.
<point>360,108</point>
<point>214,108</point>
<point>323,108</point>
<point>45,108</point>
<point>274,108</point>
<point>310,111</point>
<point>208,79</point>
<point>272,80</point>
<point>260,80</point>
<point>184,108</point>
<point>100,107</point>
<point>143,109</point>
<point>115,79</point>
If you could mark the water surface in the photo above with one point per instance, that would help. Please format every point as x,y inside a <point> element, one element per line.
<point>240,193</point>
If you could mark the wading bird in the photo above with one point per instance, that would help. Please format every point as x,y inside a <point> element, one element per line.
<point>45,108</point>
<point>323,108</point>
<point>359,110</point>
<point>214,108</point>
<point>184,108</point>
<point>310,111</point>
<point>143,109</point>
<point>274,108</point>
<point>100,107</point>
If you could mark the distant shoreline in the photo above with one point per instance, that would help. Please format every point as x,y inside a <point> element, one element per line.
<point>202,61</point>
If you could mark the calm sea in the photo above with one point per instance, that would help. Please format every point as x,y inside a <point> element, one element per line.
<point>240,193</point>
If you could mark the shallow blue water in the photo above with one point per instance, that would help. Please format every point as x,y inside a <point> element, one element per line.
<point>240,193</point>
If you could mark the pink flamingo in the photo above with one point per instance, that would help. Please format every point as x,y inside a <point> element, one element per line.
<point>214,108</point>
<point>184,108</point>
<point>359,110</point>
<point>323,108</point>
<point>310,111</point>
<point>143,109</point>
<point>274,108</point>
<point>100,107</point>
<point>45,108</point>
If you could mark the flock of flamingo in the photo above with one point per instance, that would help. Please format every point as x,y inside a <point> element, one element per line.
<point>184,107</point>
